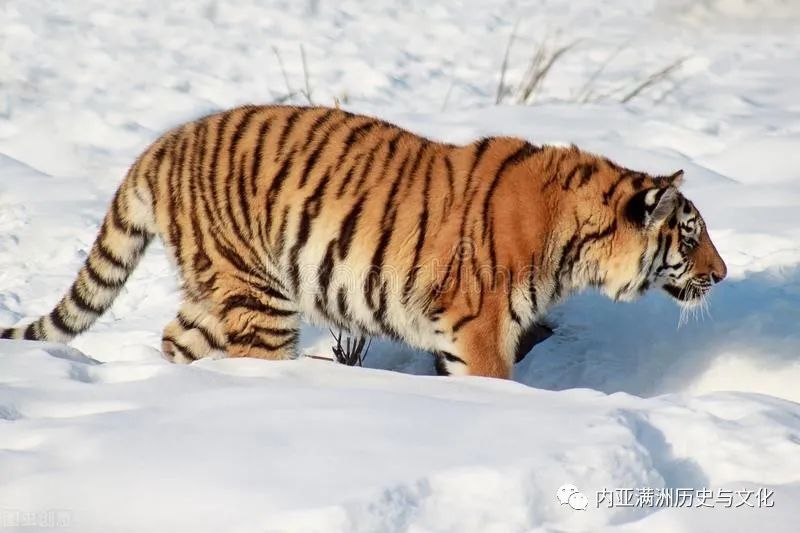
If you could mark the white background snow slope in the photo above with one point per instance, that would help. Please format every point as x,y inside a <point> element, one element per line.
<point>113,438</point>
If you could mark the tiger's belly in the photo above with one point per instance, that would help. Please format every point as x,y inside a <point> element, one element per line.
<point>352,294</point>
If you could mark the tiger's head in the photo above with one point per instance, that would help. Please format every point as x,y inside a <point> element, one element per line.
<point>663,242</point>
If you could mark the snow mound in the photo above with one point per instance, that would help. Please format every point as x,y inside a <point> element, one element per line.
<point>313,446</point>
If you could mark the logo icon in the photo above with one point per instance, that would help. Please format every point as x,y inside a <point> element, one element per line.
<point>570,495</point>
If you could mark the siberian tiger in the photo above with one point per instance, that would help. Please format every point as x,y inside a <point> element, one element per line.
<point>273,213</point>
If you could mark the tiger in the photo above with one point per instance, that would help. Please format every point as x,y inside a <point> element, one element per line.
<point>273,214</point>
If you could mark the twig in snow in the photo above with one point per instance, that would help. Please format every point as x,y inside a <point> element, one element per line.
<point>653,79</point>
<point>307,92</point>
<point>541,64</point>
<point>584,94</point>
<point>501,85</point>
<point>289,91</point>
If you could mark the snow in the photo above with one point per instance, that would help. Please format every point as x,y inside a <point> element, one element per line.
<point>109,436</point>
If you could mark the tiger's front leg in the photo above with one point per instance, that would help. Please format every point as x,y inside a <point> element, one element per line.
<point>481,349</point>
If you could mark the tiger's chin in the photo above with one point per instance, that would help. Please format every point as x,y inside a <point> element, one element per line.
<point>689,296</point>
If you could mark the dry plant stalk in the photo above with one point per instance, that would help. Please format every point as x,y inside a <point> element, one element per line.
<point>501,85</point>
<point>541,63</point>
<point>546,56</point>
<point>653,79</point>
<point>290,92</point>
<point>307,91</point>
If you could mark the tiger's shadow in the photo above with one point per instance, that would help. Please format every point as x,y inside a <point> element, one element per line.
<point>638,347</point>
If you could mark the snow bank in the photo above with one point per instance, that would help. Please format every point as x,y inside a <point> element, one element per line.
<point>313,446</point>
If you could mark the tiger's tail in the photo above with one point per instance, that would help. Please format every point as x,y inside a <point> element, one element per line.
<point>126,231</point>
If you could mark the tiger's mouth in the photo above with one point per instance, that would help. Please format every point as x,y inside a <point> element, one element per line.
<point>692,292</point>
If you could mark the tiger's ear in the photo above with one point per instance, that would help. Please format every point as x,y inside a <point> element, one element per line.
<point>674,180</point>
<point>650,207</point>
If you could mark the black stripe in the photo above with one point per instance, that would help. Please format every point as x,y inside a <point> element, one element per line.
<point>186,324</point>
<point>451,190</point>
<point>277,183</point>
<point>58,321</point>
<point>30,332</point>
<point>341,304</point>
<point>282,230</point>
<point>348,229</point>
<point>562,260</point>
<point>348,177</point>
<point>120,224</point>
<point>610,192</point>
<point>422,230</point>
<point>667,245</point>
<point>532,284</point>
<point>6,333</point>
<point>187,353</point>
<point>652,259</point>
<point>493,255</point>
<point>242,301</point>
<point>255,170</point>
<point>324,274</point>
<point>354,137</point>
<point>481,147</point>
<point>463,321</point>
<point>356,134</point>
<point>365,172</point>
<point>269,290</point>
<point>173,184</point>
<point>210,204</point>
<point>379,315</point>
<point>392,151</point>
<point>152,171</point>
<point>263,330</point>
<point>510,288</point>
<point>227,253</point>
<point>100,280</point>
<point>594,237</point>
<point>82,303</point>
<point>236,174</point>
<point>200,260</point>
<point>453,359</point>
<point>439,365</point>
<point>523,153</point>
<point>251,341</point>
<point>421,150</point>
<point>387,228</point>
<point>311,210</point>
<point>316,125</point>
<point>288,126</point>
<point>107,254</point>
<point>310,163</point>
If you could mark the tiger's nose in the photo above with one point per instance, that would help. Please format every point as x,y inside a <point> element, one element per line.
<point>719,274</point>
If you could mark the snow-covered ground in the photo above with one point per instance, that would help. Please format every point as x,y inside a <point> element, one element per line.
<point>106,436</point>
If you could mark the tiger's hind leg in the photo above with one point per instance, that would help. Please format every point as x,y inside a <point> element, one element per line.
<point>258,319</point>
<point>193,334</point>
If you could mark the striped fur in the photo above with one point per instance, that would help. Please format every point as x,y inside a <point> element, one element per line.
<point>273,213</point>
